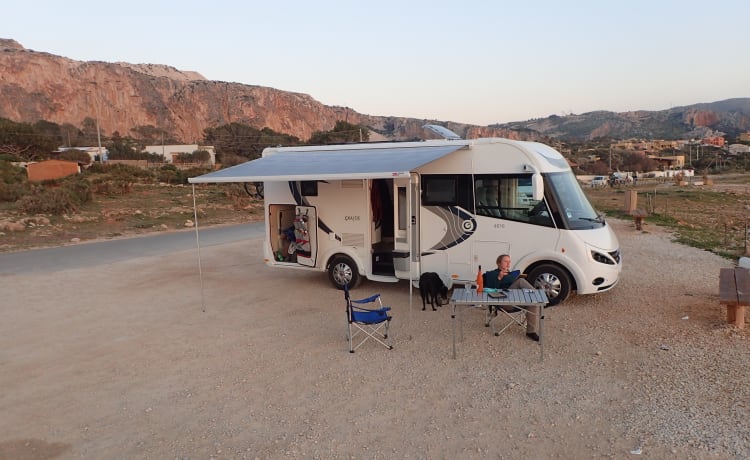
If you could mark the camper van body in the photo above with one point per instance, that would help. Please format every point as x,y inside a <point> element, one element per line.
<point>450,215</point>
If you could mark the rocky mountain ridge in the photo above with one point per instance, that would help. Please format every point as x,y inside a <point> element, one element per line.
<point>122,96</point>
<point>730,117</point>
<point>41,86</point>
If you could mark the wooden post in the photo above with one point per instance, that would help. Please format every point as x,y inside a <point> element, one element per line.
<point>631,201</point>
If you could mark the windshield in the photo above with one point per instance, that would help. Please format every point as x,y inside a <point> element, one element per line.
<point>567,195</point>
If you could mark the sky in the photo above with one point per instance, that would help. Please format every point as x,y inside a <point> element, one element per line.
<point>478,62</point>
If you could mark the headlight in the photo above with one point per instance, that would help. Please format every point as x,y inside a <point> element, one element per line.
<point>602,258</point>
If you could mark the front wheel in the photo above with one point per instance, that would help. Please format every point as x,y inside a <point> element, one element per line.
<point>342,271</point>
<point>554,280</point>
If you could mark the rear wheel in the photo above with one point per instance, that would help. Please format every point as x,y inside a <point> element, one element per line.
<point>554,280</point>
<point>341,271</point>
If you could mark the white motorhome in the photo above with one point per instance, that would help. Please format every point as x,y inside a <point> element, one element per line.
<point>391,211</point>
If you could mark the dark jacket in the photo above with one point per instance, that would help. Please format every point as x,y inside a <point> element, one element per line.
<point>491,281</point>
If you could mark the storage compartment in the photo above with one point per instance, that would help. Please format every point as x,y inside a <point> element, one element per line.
<point>281,218</point>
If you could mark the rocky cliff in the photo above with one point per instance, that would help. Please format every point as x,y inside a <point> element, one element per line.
<point>41,86</point>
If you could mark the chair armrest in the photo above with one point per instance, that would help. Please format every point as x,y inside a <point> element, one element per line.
<point>372,298</point>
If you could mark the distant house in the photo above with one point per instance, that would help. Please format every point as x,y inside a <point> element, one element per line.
<point>669,162</point>
<point>51,169</point>
<point>94,152</point>
<point>718,141</point>
<point>171,153</point>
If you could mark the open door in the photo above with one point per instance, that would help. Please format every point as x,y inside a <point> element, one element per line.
<point>405,228</point>
<point>306,235</point>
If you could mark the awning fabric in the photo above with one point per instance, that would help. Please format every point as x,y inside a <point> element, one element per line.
<point>336,164</point>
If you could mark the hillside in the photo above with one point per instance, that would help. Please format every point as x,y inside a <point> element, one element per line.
<point>41,86</point>
<point>125,96</point>
<point>730,117</point>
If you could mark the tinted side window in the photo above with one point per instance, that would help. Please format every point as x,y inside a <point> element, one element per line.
<point>447,190</point>
<point>509,197</point>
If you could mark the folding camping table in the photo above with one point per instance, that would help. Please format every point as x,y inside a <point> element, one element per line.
<point>463,299</point>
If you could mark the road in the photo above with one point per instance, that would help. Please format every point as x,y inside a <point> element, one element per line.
<point>110,251</point>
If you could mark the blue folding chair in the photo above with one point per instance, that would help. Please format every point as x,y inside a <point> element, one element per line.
<point>372,323</point>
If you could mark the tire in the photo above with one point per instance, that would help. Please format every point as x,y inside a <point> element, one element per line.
<point>342,270</point>
<point>554,280</point>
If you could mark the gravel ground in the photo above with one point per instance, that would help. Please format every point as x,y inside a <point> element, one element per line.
<point>135,360</point>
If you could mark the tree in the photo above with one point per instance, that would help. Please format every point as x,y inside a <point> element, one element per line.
<point>50,130</point>
<point>637,162</point>
<point>151,135</point>
<point>24,141</point>
<point>342,133</point>
<point>245,141</point>
<point>71,136</point>
<point>91,133</point>
<point>198,156</point>
<point>121,148</point>
<point>76,155</point>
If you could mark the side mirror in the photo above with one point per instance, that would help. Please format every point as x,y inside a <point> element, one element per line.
<point>537,186</point>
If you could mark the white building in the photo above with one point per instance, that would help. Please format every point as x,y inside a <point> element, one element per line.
<point>171,153</point>
<point>92,151</point>
<point>736,149</point>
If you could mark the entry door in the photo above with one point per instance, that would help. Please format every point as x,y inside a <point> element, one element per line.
<point>306,235</point>
<point>405,228</point>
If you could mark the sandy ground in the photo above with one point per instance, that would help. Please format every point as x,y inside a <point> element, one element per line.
<point>122,361</point>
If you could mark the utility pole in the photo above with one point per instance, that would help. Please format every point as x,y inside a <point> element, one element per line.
<point>99,136</point>
<point>98,131</point>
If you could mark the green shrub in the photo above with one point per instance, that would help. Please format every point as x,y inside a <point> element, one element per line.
<point>75,155</point>
<point>169,174</point>
<point>14,182</point>
<point>193,172</point>
<point>58,197</point>
<point>44,200</point>
<point>121,171</point>
<point>10,158</point>
<point>80,187</point>
<point>12,192</point>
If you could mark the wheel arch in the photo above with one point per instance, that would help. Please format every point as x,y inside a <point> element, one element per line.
<point>573,282</point>
<point>330,256</point>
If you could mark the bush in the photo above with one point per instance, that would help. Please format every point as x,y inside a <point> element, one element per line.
<point>64,196</point>
<point>10,158</point>
<point>14,182</point>
<point>121,171</point>
<point>75,155</point>
<point>229,159</point>
<point>169,174</point>
<point>79,187</point>
<point>43,200</point>
<point>193,172</point>
<point>12,192</point>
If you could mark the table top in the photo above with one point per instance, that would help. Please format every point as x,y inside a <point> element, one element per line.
<point>512,297</point>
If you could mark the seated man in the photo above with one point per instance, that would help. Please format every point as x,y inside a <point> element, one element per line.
<point>503,278</point>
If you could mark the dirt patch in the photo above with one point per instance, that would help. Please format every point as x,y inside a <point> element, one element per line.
<point>31,449</point>
<point>147,360</point>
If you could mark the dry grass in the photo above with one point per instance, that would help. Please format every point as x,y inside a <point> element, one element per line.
<point>146,208</point>
<point>711,217</point>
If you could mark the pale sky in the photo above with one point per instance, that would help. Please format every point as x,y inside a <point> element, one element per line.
<point>469,61</point>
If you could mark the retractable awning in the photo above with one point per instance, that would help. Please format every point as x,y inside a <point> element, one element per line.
<point>336,164</point>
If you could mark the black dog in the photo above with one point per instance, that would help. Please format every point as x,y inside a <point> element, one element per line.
<point>430,287</point>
